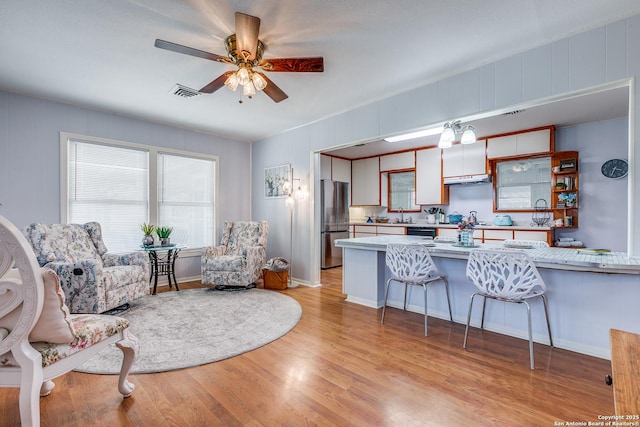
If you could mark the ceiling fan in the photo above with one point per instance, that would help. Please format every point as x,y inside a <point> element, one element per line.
<point>244,50</point>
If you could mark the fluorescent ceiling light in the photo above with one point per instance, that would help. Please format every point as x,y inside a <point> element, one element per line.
<point>413,135</point>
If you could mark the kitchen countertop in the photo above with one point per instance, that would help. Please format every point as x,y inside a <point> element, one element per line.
<point>554,258</point>
<point>480,227</point>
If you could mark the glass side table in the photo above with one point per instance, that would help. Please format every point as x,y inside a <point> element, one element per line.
<point>163,261</point>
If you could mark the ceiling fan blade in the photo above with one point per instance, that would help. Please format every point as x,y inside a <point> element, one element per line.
<point>216,84</point>
<point>174,47</point>
<point>273,91</point>
<point>247,28</point>
<point>295,65</point>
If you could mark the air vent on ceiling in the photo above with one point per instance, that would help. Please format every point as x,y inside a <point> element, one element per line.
<point>513,113</point>
<point>183,91</point>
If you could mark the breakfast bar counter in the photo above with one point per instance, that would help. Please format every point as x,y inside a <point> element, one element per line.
<point>588,294</point>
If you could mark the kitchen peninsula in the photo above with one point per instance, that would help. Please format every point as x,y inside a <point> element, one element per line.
<point>588,294</point>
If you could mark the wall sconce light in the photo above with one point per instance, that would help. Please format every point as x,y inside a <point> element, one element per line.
<point>450,130</point>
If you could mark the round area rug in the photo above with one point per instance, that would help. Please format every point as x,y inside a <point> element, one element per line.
<point>198,326</point>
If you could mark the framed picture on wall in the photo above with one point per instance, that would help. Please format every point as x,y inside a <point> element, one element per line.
<point>274,179</point>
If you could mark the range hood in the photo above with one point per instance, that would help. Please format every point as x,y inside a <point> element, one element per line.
<point>467,179</point>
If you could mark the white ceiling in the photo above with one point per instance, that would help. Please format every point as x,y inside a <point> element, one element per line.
<point>100,54</point>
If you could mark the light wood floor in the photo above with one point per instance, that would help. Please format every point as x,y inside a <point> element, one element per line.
<point>338,367</point>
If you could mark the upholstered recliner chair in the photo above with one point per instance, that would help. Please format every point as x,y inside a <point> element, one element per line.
<point>93,280</point>
<point>239,259</point>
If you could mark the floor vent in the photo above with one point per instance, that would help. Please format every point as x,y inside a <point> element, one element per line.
<point>183,91</point>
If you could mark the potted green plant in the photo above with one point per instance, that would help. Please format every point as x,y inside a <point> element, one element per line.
<point>163,234</point>
<point>148,230</point>
<point>560,185</point>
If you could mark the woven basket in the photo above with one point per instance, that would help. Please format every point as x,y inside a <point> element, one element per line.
<point>275,279</point>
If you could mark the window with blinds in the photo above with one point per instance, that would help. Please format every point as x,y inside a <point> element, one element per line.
<point>114,185</point>
<point>109,185</point>
<point>186,198</point>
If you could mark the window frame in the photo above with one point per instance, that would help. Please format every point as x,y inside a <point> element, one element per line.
<point>153,152</point>
<point>496,181</point>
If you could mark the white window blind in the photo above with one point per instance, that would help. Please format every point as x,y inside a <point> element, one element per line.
<point>186,198</point>
<point>109,184</point>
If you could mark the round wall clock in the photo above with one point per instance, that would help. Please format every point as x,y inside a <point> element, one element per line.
<point>615,168</point>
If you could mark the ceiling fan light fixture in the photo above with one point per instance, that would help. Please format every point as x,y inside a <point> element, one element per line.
<point>258,81</point>
<point>243,76</point>
<point>232,82</point>
<point>468,135</point>
<point>248,89</point>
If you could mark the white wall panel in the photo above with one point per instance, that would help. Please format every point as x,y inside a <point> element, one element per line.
<point>633,51</point>
<point>405,111</point>
<point>444,98</point>
<point>465,93</point>
<point>587,59</point>
<point>536,73</point>
<point>487,87</point>
<point>321,134</point>
<point>509,81</point>
<point>616,48</point>
<point>363,123</point>
<point>560,67</point>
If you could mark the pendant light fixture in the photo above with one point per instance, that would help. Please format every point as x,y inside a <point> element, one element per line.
<point>468,135</point>
<point>450,129</point>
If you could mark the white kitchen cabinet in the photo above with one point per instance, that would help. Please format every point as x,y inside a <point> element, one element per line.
<point>539,141</point>
<point>340,169</point>
<point>453,232</point>
<point>465,159</point>
<point>447,232</point>
<point>364,230</point>
<point>325,167</point>
<point>365,182</point>
<point>544,236</point>
<point>396,230</point>
<point>497,235</point>
<point>429,187</point>
<point>335,169</point>
<point>367,230</point>
<point>392,162</point>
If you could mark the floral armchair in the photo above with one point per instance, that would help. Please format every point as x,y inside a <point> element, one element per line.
<point>93,280</point>
<point>239,259</point>
<point>39,339</point>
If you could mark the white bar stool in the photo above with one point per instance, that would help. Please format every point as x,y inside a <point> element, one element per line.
<point>508,276</point>
<point>412,265</point>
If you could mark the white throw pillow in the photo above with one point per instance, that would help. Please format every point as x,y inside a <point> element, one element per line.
<point>54,325</point>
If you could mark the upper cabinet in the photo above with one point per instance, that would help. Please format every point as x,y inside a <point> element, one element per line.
<point>536,141</point>
<point>365,182</point>
<point>465,159</point>
<point>399,161</point>
<point>429,187</point>
<point>340,170</point>
<point>335,169</point>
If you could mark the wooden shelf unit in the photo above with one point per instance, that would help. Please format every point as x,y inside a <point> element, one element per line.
<point>569,178</point>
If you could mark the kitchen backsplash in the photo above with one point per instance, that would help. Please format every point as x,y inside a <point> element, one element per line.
<point>462,199</point>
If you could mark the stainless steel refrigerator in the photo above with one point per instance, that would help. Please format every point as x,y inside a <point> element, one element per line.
<point>334,202</point>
